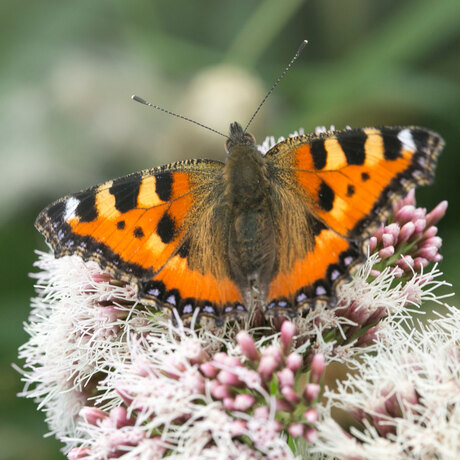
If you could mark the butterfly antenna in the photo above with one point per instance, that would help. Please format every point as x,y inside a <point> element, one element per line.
<point>285,71</point>
<point>143,101</point>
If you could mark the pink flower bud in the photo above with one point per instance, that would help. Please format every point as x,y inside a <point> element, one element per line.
<point>294,361</point>
<point>311,435</point>
<point>232,361</point>
<point>274,352</point>
<point>375,273</point>
<point>311,415</point>
<point>379,232</point>
<point>208,369</point>
<point>229,403</point>
<point>435,241</point>
<point>119,417</point>
<point>397,272</point>
<point>405,214</point>
<point>409,397</point>
<point>393,230</point>
<point>387,240</point>
<point>244,401</point>
<point>419,263</point>
<point>284,405</point>
<point>419,213</point>
<point>261,412</point>
<point>288,330</point>
<point>220,357</point>
<point>221,392</point>
<point>198,355</point>
<point>79,452</point>
<point>318,365</point>
<point>372,243</point>
<point>410,197</point>
<point>101,277</point>
<point>267,366</point>
<point>286,377</point>
<point>420,225</point>
<point>92,415</point>
<point>406,263</point>
<point>124,393</point>
<point>369,337</point>
<point>392,405</point>
<point>238,428</point>
<point>437,214</point>
<point>430,231</point>
<point>227,378</point>
<point>247,345</point>
<point>312,391</point>
<point>357,413</point>
<point>379,416</point>
<point>427,252</point>
<point>295,430</point>
<point>386,252</point>
<point>290,394</point>
<point>407,230</point>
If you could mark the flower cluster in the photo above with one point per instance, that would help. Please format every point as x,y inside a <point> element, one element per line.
<point>173,395</point>
<point>409,242</point>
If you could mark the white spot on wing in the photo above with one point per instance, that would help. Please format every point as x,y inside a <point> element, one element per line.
<point>407,140</point>
<point>70,208</point>
<point>320,290</point>
<point>171,299</point>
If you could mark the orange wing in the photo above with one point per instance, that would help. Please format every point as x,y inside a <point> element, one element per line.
<point>137,228</point>
<point>349,180</point>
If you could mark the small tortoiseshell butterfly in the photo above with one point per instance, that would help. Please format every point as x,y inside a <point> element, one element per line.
<point>277,232</point>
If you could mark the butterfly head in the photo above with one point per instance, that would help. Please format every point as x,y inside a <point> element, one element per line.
<point>237,136</point>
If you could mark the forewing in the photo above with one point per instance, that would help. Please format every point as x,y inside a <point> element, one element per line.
<point>352,177</point>
<point>142,228</point>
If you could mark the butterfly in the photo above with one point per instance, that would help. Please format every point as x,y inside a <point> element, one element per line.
<point>275,232</point>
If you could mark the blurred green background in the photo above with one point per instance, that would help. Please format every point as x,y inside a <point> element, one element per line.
<point>68,70</point>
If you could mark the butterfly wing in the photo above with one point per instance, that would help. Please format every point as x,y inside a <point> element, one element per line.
<point>349,180</point>
<point>143,228</point>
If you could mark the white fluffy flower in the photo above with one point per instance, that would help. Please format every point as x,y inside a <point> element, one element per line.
<point>406,396</point>
<point>74,326</point>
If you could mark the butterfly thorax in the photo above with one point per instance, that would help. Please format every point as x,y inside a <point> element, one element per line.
<point>251,248</point>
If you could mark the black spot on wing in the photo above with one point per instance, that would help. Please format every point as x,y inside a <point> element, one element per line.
<point>318,153</point>
<point>391,144</point>
<point>365,176</point>
<point>126,190</point>
<point>121,224</point>
<point>350,190</point>
<point>163,185</point>
<point>166,228</point>
<point>352,143</point>
<point>86,210</point>
<point>326,196</point>
<point>138,232</point>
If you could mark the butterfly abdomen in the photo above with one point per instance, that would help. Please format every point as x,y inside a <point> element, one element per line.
<point>251,243</point>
